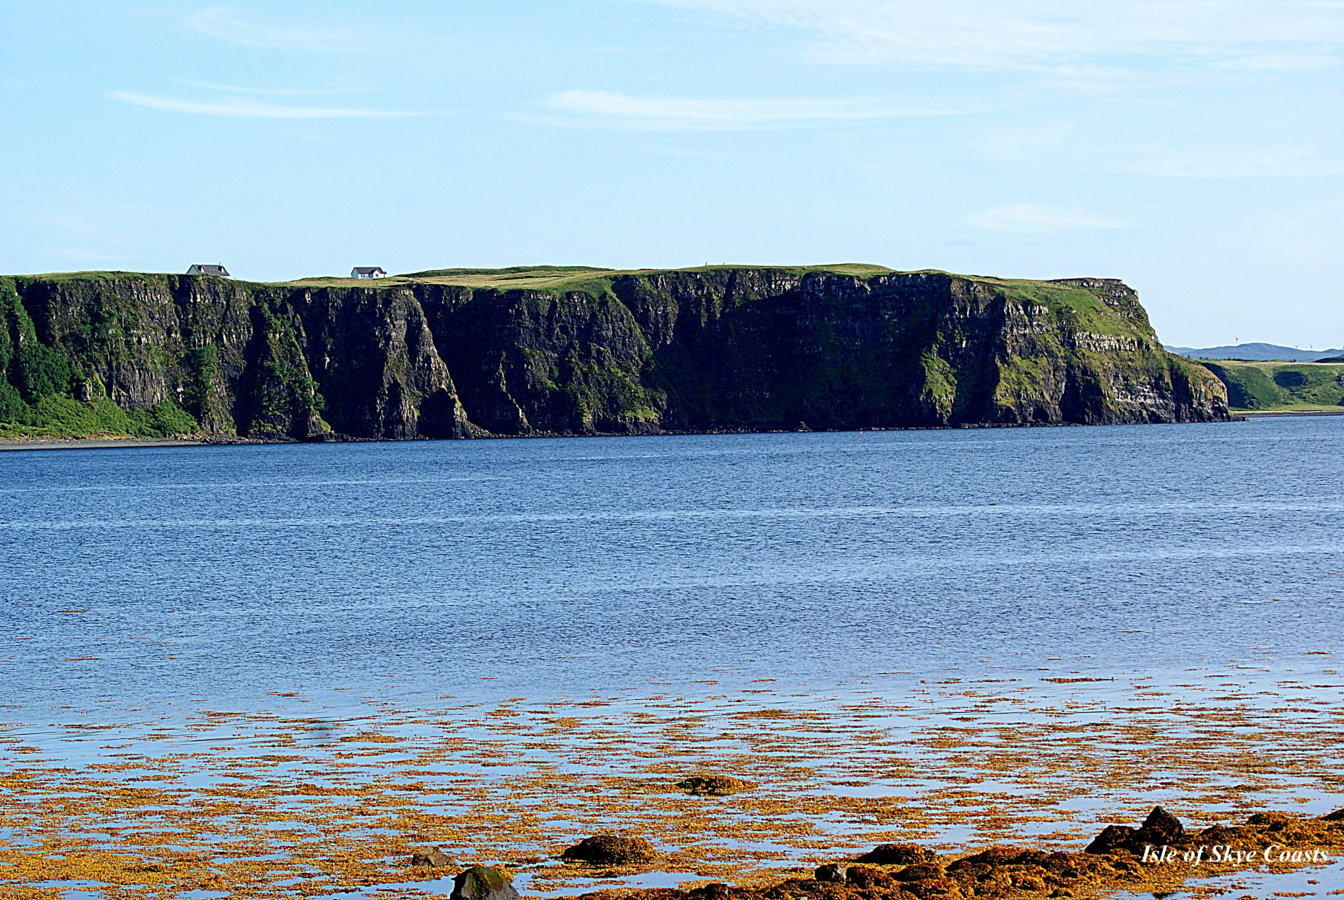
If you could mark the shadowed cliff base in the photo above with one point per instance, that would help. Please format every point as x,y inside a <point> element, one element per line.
<point>574,351</point>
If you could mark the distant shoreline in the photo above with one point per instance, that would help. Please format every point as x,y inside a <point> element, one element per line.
<point>112,443</point>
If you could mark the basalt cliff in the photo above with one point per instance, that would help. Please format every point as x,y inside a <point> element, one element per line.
<point>459,353</point>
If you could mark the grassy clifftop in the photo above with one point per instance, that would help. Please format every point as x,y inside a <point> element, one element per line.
<point>563,279</point>
<point>577,350</point>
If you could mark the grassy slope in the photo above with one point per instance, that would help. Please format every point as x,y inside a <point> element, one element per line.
<point>37,385</point>
<point>1281,387</point>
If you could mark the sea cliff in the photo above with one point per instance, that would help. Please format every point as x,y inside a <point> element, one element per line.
<point>463,353</point>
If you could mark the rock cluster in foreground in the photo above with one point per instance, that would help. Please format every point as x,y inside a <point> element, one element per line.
<point>1159,854</point>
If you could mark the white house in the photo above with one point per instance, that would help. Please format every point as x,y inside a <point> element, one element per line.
<point>368,272</point>
<point>207,269</point>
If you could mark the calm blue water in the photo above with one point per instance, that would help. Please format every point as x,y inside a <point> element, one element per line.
<point>547,568</point>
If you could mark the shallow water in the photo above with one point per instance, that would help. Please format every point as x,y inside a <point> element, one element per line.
<point>940,598</point>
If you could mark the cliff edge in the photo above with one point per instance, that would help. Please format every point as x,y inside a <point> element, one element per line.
<point>461,353</point>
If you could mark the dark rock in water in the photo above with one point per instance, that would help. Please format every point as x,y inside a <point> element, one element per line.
<point>611,850</point>
<point>714,785</point>
<point>1270,818</point>
<point>830,872</point>
<point>1113,838</point>
<point>1336,816</point>
<point>433,858</point>
<point>483,883</point>
<point>1160,828</point>
<point>897,855</point>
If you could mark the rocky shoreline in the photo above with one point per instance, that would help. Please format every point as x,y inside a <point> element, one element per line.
<point>734,789</point>
<point>121,442</point>
<point>1159,855</point>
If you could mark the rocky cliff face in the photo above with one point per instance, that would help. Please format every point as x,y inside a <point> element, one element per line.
<point>694,350</point>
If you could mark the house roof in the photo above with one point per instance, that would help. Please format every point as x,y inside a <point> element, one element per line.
<point>210,269</point>
<point>368,270</point>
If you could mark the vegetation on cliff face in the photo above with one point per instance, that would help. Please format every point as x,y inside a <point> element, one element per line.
<point>1281,387</point>
<point>572,350</point>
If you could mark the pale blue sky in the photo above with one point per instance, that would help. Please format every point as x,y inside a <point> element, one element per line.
<point>1194,148</point>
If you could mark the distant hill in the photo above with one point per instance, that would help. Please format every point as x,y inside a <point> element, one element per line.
<point>1258,352</point>
<point>1281,386</point>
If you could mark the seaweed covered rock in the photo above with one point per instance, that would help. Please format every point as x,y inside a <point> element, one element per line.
<point>714,785</point>
<point>865,876</point>
<point>1029,872</point>
<point>897,855</point>
<point>430,858</point>
<point>611,850</point>
<point>1113,839</point>
<point>1161,827</point>
<point>830,872</point>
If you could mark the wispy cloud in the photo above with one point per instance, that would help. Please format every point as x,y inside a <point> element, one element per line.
<point>221,22</point>
<point>266,91</point>
<point>1213,162</point>
<point>1175,154</point>
<point>1044,34</point>
<point>1286,61</point>
<point>609,109</point>
<point>251,108</point>
<point>1034,218</point>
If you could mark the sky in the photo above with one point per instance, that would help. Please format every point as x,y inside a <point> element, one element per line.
<point>1193,148</point>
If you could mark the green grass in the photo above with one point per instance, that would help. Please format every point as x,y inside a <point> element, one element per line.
<point>58,416</point>
<point>562,279</point>
<point>1085,307</point>
<point>1291,408</point>
<point>1281,387</point>
<point>1088,310</point>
